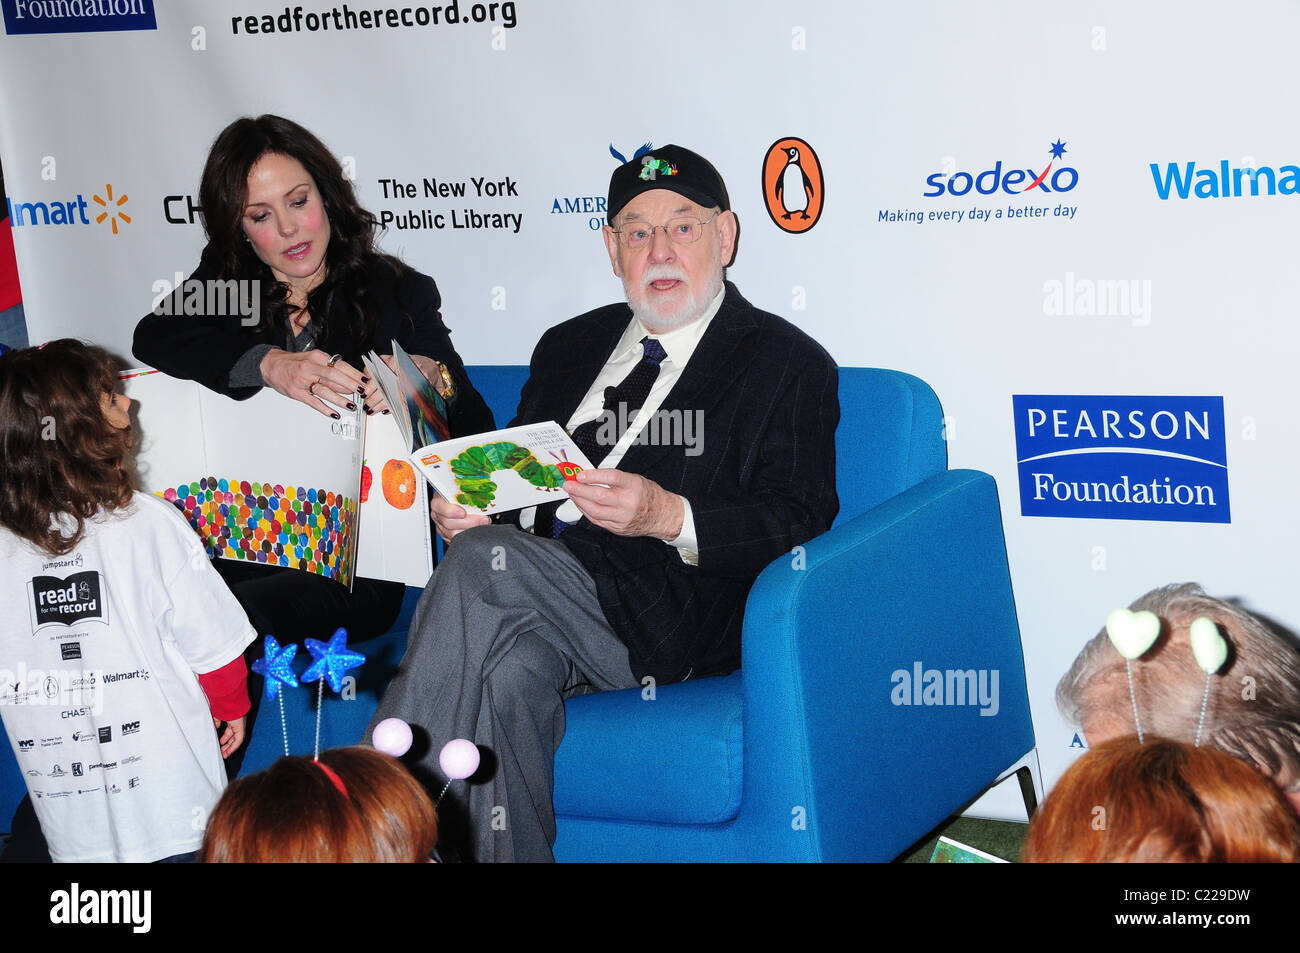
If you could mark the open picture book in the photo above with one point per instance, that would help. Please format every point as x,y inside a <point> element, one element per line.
<point>269,480</point>
<point>498,471</point>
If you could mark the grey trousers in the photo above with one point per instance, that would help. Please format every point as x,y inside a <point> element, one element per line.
<point>508,627</point>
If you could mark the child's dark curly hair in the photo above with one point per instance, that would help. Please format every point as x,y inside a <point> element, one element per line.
<point>61,460</point>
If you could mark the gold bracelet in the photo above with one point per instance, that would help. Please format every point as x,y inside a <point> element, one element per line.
<point>447,383</point>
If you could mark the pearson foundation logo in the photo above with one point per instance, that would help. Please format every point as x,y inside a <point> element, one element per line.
<point>1122,457</point>
<point>77,16</point>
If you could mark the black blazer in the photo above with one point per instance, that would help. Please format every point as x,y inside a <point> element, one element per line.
<point>204,348</point>
<point>763,483</point>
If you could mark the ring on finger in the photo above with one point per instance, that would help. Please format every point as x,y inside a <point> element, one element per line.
<point>311,389</point>
<point>334,360</point>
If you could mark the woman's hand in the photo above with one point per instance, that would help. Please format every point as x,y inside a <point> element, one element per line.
<point>307,376</point>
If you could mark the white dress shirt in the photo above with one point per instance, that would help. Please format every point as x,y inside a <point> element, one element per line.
<point>679,345</point>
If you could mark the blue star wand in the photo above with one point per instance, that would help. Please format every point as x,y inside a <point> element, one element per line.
<point>332,661</point>
<point>274,666</point>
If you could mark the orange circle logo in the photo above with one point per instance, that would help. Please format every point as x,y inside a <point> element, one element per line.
<point>792,185</point>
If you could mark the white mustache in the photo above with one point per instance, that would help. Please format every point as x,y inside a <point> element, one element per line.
<point>664,273</point>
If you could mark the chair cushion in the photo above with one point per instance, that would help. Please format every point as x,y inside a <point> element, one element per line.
<point>674,759</point>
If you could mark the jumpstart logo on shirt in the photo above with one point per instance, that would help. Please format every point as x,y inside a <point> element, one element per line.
<point>77,16</point>
<point>1122,457</point>
<point>56,601</point>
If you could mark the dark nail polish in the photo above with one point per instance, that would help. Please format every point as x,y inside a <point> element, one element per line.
<point>361,391</point>
<point>367,409</point>
<point>351,406</point>
<point>385,411</point>
<point>335,416</point>
<point>364,379</point>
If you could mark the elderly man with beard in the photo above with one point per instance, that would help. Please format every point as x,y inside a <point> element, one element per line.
<point>643,572</point>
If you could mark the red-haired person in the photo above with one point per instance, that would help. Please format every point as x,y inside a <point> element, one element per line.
<point>1163,801</point>
<point>121,650</point>
<point>351,805</point>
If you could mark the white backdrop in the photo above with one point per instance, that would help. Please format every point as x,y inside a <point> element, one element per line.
<point>888,95</point>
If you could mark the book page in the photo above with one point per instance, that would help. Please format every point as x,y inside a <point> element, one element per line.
<point>264,480</point>
<point>395,541</point>
<point>504,470</point>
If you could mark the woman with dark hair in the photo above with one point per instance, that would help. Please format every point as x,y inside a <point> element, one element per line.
<point>1163,801</point>
<point>278,211</point>
<point>351,805</point>
<point>113,621</point>
<point>280,214</point>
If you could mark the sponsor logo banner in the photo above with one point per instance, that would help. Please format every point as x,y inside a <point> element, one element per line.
<point>1223,180</point>
<point>992,191</point>
<point>792,185</point>
<point>1122,457</point>
<point>77,16</point>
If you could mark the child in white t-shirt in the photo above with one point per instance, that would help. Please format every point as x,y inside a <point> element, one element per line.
<point>121,650</point>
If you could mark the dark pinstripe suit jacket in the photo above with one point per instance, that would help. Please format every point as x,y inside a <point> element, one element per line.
<point>763,483</point>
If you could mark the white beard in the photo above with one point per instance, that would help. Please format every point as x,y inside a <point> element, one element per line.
<point>659,320</point>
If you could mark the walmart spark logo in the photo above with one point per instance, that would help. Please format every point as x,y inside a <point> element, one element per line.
<point>110,206</point>
<point>70,212</point>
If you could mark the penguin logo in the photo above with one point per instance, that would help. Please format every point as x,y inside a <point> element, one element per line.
<point>792,185</point>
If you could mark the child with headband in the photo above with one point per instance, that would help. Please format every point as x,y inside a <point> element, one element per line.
<point>350,805</point>
<point>114,625</point>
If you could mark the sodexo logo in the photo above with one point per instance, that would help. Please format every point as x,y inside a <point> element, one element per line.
<point>1009,180</point>
<point>1135,458</point>
<point>1186,181</point>
<point>77,16</point>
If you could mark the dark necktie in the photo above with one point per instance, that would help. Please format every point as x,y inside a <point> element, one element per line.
<point>621,406</point>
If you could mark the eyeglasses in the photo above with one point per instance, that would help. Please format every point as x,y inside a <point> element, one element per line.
<point>680,231</point>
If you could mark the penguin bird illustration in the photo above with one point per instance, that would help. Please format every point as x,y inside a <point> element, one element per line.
<point>793,187</point>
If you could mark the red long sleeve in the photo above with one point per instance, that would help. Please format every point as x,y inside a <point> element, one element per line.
<point>227,690</point>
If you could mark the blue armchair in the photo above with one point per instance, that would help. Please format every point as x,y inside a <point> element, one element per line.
<point>803,754</point>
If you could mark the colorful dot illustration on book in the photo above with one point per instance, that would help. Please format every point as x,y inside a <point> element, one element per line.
<point>474,467</point>
<point>269,523</point>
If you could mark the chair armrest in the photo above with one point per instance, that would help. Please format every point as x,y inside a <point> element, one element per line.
<point>834,634</point>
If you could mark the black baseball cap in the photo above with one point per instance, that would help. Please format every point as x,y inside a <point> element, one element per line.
<point>668,167</point>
